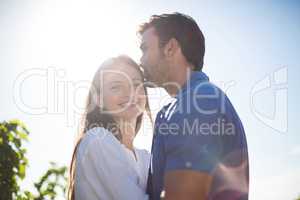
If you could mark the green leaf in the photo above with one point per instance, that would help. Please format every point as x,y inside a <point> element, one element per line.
<point>22,169</point>
<point>23,136</point>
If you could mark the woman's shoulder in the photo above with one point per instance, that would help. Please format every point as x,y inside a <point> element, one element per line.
<point>94,134</point>
<point>99,144</point>
<point>96,140</point>
<point>98,132</point>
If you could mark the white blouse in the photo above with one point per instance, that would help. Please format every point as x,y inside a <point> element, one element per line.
<point>107,170</point>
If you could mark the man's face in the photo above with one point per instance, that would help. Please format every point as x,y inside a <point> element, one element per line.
<point>152,60</point>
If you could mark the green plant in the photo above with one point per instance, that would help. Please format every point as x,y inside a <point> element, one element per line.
<point>12,160</point>
<point>13,163</point>
<point>52,183</point>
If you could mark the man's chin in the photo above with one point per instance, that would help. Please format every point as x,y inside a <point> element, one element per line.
<point>150,83</point>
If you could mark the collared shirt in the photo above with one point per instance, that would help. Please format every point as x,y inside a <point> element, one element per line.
<point>200,131</point>
<point>107,170</point>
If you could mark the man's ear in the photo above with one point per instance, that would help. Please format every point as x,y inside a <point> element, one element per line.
<point>171,47</point>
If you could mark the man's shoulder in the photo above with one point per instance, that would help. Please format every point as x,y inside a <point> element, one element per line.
<point>205,89</point>
<point>202,97</point>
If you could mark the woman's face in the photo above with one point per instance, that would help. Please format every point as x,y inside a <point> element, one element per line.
<point>122,91</point>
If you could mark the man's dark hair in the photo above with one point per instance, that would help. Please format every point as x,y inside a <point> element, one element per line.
<point>185,30</point>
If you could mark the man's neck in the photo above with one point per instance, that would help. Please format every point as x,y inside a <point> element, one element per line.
<point>178,80</point>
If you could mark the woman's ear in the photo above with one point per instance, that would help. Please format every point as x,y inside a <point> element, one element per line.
<point>171,47</point>
<point>99,100</point>
<point>96,101</point>
<point>101,107</point>
<point>100,103</point>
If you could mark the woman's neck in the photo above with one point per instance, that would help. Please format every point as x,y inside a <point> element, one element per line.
<point>127,128</point>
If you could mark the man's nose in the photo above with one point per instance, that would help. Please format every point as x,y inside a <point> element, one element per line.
<point>142,61</point>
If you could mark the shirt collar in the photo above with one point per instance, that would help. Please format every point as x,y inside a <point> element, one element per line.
<point>195,77</point>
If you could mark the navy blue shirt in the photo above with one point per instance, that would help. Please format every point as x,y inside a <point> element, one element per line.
<point>201,131</point>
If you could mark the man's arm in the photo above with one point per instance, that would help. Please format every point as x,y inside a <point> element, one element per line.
<point>183,184</point>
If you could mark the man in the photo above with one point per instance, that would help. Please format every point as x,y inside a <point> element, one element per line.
<point>199,148</point>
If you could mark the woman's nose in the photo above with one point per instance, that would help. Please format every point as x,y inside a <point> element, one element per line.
<point>128,92</point>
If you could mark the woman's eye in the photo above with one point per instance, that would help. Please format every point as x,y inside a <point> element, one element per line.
<point>137,85</point>
<point>116,87</point>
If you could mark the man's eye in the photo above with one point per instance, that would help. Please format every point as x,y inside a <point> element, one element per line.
<point>136,85</point>
<point>144,49</point>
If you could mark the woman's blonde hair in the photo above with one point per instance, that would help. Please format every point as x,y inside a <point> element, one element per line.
<point>93,117</point>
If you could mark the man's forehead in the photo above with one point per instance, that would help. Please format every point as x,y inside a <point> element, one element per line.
<point>149,35</point>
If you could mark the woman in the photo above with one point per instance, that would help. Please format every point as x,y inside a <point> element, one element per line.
<point>105,165</point>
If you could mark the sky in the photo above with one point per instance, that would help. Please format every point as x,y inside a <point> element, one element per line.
<point>50,50</point>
